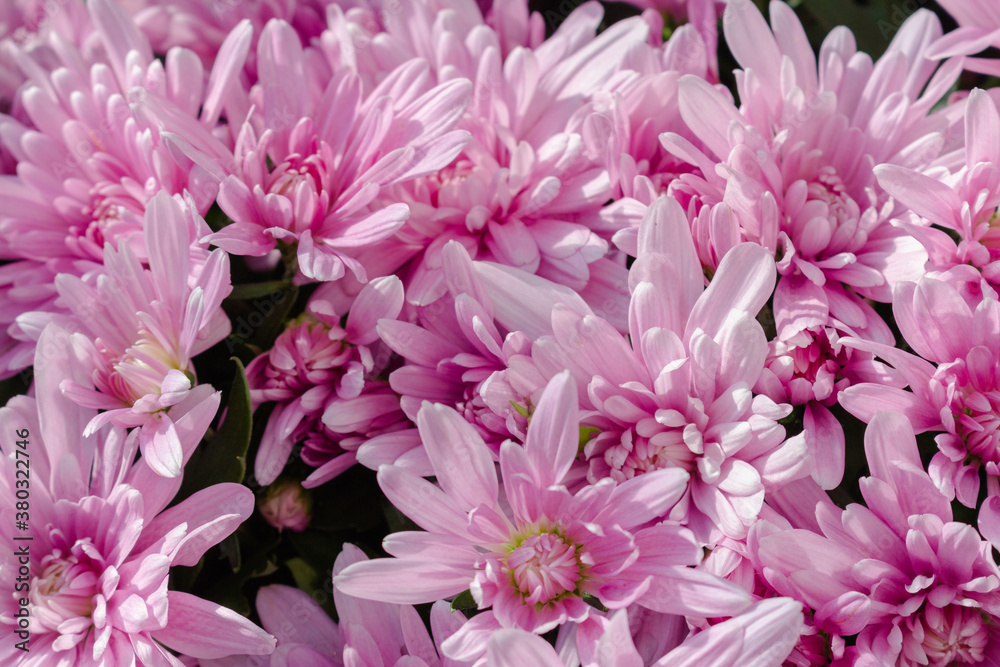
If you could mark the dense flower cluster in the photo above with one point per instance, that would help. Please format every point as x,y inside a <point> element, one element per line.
<point>315,312</point>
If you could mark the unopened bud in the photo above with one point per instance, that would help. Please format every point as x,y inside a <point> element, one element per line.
<point>286,505</point>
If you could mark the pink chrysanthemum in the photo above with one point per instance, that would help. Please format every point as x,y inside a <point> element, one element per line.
<point>916,587</point>
<point>450,354</point>
<point>102,543</point>
<point>529,189</point>
<point>367,633</point>
<point>534,558</point>
<point>308,178</point>
<point>88,165</point>
<point>954,387</point>
<point>318,372</point>
<point>138,329</point>
<point>979,29</point>
<point>791,169</point>
<point>963,204</point>
<point>702,15</point>
<point>679,395</point>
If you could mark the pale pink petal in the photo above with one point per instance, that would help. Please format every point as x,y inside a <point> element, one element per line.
<point>691,592</point>
<point>982,128</point>
<point>461,459</point>
<point>927,197</point>
<point>310,625</point>
<point>752,44</point>
<point>554,433</point>
<point>518,648</point>
<point>707,113</point>
<point>402,581</point>
<point>381,298</point>
<point>203,629</point>
<point>889,440</point>
<point>228,64</point>
<point>161,447</point>
<point>744,281</point>
<point>825,439</point>
<point>210,515</point>
<point>763,636</point>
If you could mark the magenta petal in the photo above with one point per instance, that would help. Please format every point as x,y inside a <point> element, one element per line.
<point>864,401</point>
<point>847,614</point>
<point>203,629</point>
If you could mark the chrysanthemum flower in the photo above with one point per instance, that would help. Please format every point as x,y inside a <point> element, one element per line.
<point>450,353</point>
<point>102,543</point>
<point>702,15</point>
<point>367,633</point>
<point>791,169</point>
<point>679,394</point>
<point>915,586</point>
<point>307,171</point>
<point>534,559</point>
<point>88,165</point>
<point>529,189</point>
<point>138,329</point>
<point>978,29</point>
<point>954,387</point>
<point>963,203</point>
<point>318,373</point>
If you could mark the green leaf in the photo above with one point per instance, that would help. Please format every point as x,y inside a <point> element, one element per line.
<point>230,548</point>
<point>258,314</point>
<point>216,219</point>
<point>594,602</point>
<point>223,458</point>
<point>226,454</point>
<point>258,290</point>
<point>463,601</point>
<point>521,410</point>
<point>304,574</point>
<point>587,433</point>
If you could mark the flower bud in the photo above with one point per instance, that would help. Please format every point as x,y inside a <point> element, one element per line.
<point>286,505</point>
